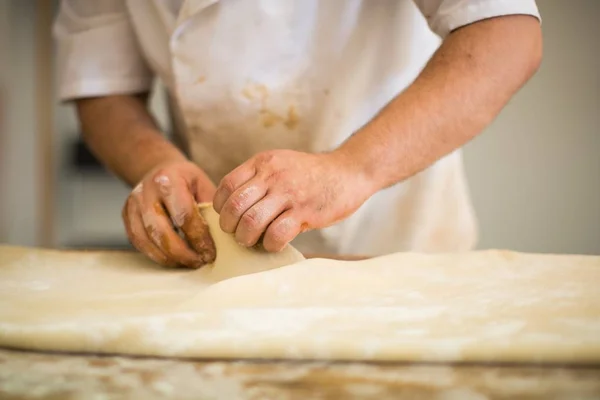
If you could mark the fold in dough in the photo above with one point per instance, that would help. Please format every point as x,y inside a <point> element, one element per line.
<point>477,306</point>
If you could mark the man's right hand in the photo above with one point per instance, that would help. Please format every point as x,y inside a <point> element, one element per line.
<point>165,201</point>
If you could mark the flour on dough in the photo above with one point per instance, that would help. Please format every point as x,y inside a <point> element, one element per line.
<point>477,306</point>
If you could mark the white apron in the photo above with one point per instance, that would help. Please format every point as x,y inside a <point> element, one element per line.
<point>253,75</point>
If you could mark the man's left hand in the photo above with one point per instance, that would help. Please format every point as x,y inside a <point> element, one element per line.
<point>281,193</point>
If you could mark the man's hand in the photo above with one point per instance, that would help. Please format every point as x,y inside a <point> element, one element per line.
<point>168,185</point>
<point>163,202</point>
<point>282,193</point>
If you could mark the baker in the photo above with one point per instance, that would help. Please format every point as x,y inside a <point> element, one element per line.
<point>335,125</point>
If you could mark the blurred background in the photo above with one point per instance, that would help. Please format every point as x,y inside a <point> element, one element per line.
<point>534,173</point>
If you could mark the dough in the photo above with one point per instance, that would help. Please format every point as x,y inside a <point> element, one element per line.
<point>235,260</point>
<point>476,306</point>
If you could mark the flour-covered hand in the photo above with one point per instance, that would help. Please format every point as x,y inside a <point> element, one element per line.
<point>280,193</point>
<point>163,203</point>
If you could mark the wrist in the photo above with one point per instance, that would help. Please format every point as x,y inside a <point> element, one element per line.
<point>157,154</point>
<point>352,162</point>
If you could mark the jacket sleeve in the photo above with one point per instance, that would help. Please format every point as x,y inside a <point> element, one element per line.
<point>98,52</point>
<point>444,16</point>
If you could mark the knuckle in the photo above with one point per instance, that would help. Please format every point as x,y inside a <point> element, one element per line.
<point>266,157</point>
<point>161,180</point>
<point>278,176</point>
<point>250,220</point>
<point>227,184</point>
<point>235,205</point>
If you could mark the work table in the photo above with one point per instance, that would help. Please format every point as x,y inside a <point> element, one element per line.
<point>35,375</point>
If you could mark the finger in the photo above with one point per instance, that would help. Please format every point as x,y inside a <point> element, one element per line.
<point>181,206</point>
<point>138,237</point>
<point>256,220</point>
<point>231,182</point>
<point>160,230</point>
<point>203,191</point>
<point>197,233</point>
<point>202,188</point>
<point>239,202</point>
<point>281,231</point>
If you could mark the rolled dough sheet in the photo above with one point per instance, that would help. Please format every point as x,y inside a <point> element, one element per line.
<point>477,306</point>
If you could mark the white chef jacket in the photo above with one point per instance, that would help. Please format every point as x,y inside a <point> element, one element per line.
<point>245,76</point>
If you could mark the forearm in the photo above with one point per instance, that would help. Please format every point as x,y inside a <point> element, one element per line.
<point>461,90</point>
<point>122,134</point>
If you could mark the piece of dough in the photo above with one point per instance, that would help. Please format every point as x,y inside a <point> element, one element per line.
<point>235,260</point>
<point>477,306</point>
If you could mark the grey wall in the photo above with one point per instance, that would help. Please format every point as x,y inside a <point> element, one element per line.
<point>4,64</point>
<point>19,191</point>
